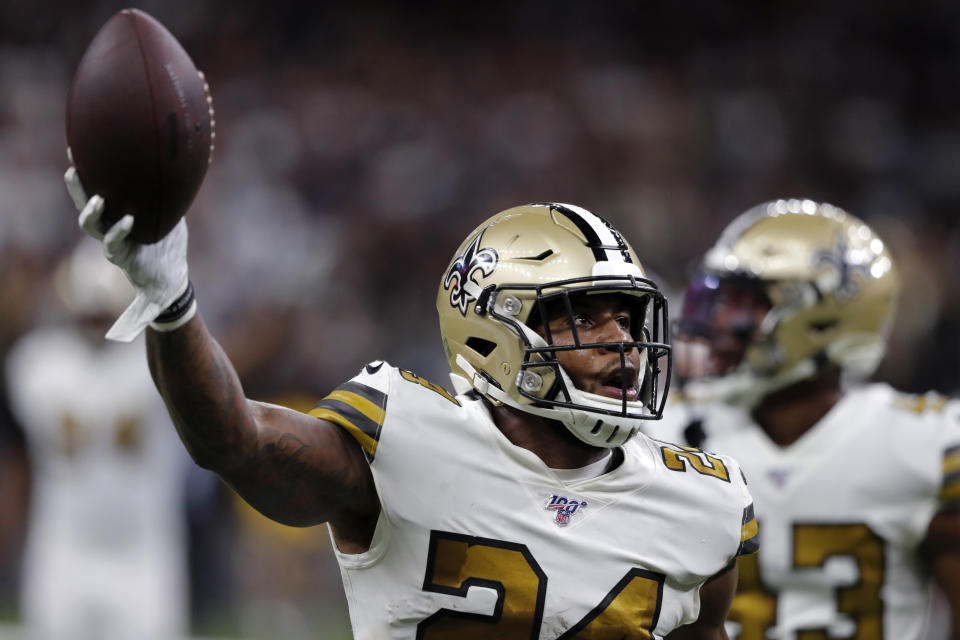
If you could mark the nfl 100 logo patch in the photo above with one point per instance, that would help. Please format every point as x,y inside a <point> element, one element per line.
<point>564,508</point>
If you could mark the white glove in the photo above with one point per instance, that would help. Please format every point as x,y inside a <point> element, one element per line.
<point>158,271</point>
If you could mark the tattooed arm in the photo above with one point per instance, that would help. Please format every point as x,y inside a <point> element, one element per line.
<point>293,468</point>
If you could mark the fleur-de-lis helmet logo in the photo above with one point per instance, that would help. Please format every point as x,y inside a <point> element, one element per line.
<point>459,279</point>
<point>844,270</point>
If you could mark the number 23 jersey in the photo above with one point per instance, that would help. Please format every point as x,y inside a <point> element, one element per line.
<point>842,511</point>
<point>477,538</point>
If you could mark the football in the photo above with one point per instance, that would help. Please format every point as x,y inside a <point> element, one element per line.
<point>140,124</point>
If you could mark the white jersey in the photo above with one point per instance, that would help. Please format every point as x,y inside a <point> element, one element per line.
<point>105,550</point>
<point>477,538</point>
<point>842,511</point>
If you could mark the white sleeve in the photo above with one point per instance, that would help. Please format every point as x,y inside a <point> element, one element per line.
<point>749,531</point>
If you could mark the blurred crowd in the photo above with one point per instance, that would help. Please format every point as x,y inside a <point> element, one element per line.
<point>358,143</point>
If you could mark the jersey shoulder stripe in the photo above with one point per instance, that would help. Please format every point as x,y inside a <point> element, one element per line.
<point>920,403</point>
<point>358,408</point>
<point>749,532</point>
<point>950,487</point>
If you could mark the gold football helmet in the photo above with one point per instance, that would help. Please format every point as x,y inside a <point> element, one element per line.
<point>497,289</point>
<point>800,286</point>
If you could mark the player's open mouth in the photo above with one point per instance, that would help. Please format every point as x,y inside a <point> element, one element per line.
<point>618,381</point>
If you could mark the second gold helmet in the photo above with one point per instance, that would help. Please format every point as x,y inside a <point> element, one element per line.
<point>828,287</point>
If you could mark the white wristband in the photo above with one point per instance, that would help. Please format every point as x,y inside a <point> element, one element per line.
<point>178,313</point>
<point>164,327</point>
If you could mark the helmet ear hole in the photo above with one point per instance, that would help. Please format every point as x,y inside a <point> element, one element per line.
<point>481,346</point>
<point>823,325</point>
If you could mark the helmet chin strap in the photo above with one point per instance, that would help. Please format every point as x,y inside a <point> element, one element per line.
<point>484,387</point>
<point>596,430</point>
<point>858,357</point>
<point>743,388</point>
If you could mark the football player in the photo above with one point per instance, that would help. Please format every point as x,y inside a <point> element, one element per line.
<point>856,485</point>
<point>525,506</point>
<point>106,553</point>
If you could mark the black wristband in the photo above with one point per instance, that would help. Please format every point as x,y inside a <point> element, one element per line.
<point>179,308</point>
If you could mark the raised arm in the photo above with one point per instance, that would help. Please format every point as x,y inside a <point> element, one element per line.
<point>293,468</point>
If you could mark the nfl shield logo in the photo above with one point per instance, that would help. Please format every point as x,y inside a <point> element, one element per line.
<point>564,508</point>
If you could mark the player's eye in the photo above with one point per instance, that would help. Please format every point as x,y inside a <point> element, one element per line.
<point>623,321</point>
<point>581,320</point>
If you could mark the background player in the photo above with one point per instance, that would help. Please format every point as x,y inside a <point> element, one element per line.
<point>856,485</point>
<point>460,516</point>
<point>105,552</point>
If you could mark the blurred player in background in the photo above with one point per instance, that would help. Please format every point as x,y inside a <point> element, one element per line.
<point>857,486</point>
<point>522,507</point>
<point>14,498</point>
<point>105,551</point>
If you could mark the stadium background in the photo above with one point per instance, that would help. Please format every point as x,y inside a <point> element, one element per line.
<point>359,142</point>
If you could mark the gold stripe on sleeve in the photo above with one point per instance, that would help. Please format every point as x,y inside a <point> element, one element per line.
<point>361,404</point>
<point>950,492</point>
<point>366,442</point>
<point>951,462</point>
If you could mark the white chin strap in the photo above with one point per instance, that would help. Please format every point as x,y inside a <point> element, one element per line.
<point>594,429</point>
<point>857,356</point>
<point>742,387</point>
